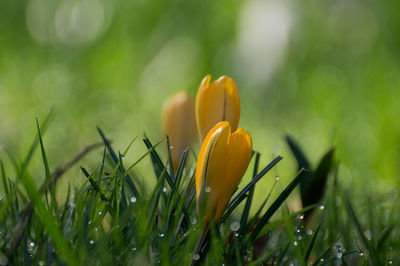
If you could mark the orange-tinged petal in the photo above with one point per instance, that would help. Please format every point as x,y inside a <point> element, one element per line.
<point>179,124</point>
<point>222,162</point>
<point>216,102</point>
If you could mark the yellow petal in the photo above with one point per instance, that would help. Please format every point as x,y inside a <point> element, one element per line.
<point>222,162</point>
<point>179,124</point>
<point>216,102</point>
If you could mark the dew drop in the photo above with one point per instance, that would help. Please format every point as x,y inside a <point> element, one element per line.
<point>361,253</point>
<point>277,177</point>
<point>339,255</point>
<point>321,260</point>
<point>99,212</point>
<point>132,199</point>
<point>91,242</point>
<point>295,243</point>
<point>300,216</point>
<point>196,256</point>
<point>89,222</point>
<point>298,230</point>
<point>321,207</point>
<point>133,249</point>
<point>207,189</point>
<point>161,235</point>
<point>235,226</point>
<point>309,232</point>
<point>32,244</point>
<point>41,263</point>
<point>194,221</point>
<point>171,147</point>
<point>123,157</point>
<point>164,189</point>
<point>390,262</point>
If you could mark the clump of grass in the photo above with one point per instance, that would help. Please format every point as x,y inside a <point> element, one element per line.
<point>110,219</point>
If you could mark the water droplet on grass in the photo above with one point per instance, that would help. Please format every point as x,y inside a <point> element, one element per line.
<point>207,189</point>
<point>99,212</point>
<point>321,207</point>
<point>309,232</point>
<point>300,216</point>
<point>235,226</point>
<point>161,235</point>
<point>132,199</point>
<point>277,178</point>
<point>295,243</point>
<point>164,189</point>
<point>196,256</point>
<point>32,244</point>
<point>91,242</point>
<point>390,262</point>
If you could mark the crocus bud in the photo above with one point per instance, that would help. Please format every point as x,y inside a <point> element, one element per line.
<point>222,162</point>
<point>216,102</point>
<point>179,125</point>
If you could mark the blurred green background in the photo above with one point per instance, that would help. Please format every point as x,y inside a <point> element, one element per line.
<point>325,72</point>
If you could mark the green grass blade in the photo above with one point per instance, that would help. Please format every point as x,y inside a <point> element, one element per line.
<point>367,244</point>
<point>276,204</point>
<point>48,221</point>
<point>117,162</point>
<point>254,181</point>
<point>181,166</point>
<point>171,168</point>
<point>246,210</point>
<point>311,245</point>
<point>4,178</point>
<point>47,168</point>
<point>93,183</point>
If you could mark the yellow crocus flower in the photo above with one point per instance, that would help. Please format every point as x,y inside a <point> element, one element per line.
<point>179,125</point>
<point>222,162</point>
<point>216,102</point>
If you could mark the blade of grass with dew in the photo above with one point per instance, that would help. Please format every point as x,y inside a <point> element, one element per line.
<point>270,226</point>
<point>116,162</point>
<point>48,221</point>
<point>171,168</point>
<point>253,182</point>
<point>276,204</point>
<point>311,245</point>
<point>93,183</point>
<point>158,165</point>
<point>313,186</point>
<point>367,244</point>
